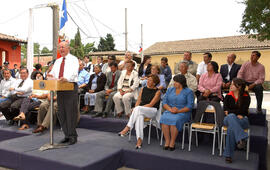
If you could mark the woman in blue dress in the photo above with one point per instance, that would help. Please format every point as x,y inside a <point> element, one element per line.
<point>178,103</point>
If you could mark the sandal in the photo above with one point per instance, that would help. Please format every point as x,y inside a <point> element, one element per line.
<point>24,126</point>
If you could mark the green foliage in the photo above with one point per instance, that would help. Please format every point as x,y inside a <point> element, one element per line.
<point>256,19</point>
<point>77,46</point>
<point>106,44</point>
<point>88,48</point>
<point>36,48</point>
<point>45,50</point>
<point>24,50</point>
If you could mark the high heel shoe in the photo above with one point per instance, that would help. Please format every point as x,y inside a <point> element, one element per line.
<point>138,146</point>
<point>165,147</point>
<point>172,148</point>
<point>123,135</point>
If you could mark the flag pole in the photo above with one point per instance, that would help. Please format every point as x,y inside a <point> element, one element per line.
<point>142,43</point>
<point>30,42</point>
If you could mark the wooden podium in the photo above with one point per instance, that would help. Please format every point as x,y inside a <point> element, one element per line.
<point>52,85</point>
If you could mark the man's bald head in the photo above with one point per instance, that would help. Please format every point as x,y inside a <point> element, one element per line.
<point>63,48</point>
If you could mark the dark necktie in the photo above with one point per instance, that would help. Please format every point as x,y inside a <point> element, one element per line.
<point>61,72</point>
<point>21,84</point>
<point>113,77</point>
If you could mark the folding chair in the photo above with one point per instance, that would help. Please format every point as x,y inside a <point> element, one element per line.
<point>148,122</point>
<point>205,128</point>
<point>223,136</point>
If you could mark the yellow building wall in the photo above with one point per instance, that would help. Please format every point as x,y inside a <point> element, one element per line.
<point>220,58</point>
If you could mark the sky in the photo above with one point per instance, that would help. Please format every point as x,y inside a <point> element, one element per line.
<point>163,20</point>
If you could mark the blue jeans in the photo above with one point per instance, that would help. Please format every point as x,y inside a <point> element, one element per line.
<point>235,132</point>
<point>3,99</point>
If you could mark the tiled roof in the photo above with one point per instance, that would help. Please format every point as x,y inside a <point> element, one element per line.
<point>106,53</point>
<point>11,38</point>
<point>207,44</point>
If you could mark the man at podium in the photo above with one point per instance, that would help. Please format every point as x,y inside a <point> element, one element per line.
<point>65,69</point>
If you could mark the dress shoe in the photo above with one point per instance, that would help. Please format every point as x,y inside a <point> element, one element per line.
<point>93,112</point>
<point>138,146</point>
<point>259,110</point>
<point>105,114</point>
<point>40,129</point>
<point>72,141</point>
<point>123,135</point>
<point>64,141</point>
<point>228,160</point>
<point>97,114</point>
<point>11,122</point>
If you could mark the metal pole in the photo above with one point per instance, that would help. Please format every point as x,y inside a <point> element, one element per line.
<point>55,9</point>
<point>51,121</point>
<point>126,40</point>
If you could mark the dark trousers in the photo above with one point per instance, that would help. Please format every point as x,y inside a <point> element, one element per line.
<point>68,111</point>
<point>258,90</point>
<point>28,105</point>
<point>11,107</point>
<point>211,97</point>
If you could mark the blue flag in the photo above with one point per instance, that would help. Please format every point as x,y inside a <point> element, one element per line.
<point>63,14</point>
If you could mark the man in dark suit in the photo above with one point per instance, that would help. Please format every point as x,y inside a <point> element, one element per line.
<point>229,71</point>
<point>110,90</point>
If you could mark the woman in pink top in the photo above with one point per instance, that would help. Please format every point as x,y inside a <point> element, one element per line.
<point>210,84</point>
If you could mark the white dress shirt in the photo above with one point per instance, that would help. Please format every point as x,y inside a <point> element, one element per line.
<point>122,62</point>
<point>5,86</point>
<point>26,88</point>
<point>71,68</point>
<point>229,69</point>
<point>202,68</point>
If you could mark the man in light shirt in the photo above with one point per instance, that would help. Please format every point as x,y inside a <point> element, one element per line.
<point>5,85</point>
<point>65,69</point>
<point>202,67</point>
<point>21,89</point>
<point>123,64</point>
<point>192,66</point>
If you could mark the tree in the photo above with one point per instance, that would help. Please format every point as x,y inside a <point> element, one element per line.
<point>106,44</point>
<point>256,19</point>
<point>36,48</point>
<point>88,48</point>
<point>77,46</point>
<point>45,50</point>
<point>24,50</point>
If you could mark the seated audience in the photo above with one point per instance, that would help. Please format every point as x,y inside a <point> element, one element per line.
<point>192,66</point>
<point>210,84</point>
<point>21,89</point>
<point>99,62</point>
<point>38,68</point>
<point>96,84</point>
<point>202,67</point>
<point>127,87</point>
<point>178,103</point>
<point>155,70</point>
<point>253,73</point>
<point>83,77</point>
<point>145,67</point>
<point>5,85</point>
<point>15,70</point>
<point>49,69</point>
<point>191,80</point>
<point>123,64</point>
<point>6,66</point>
<point>229,71</point>
<point>236,104</point>
<point>30,103</point>
<point>110,90</point>
<point>106,67</point>
<point>44,114</point>
<point>88,63</point>
<point>147,105</point>
<point>165,70</point>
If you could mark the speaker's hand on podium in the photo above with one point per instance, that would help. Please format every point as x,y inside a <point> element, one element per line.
<point>50,77</point>
<point>62,79</point>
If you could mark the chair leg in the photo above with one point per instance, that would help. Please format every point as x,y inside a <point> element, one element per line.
<point>149,133</point>
<point>161,138</point>
<point>218,138</point>
<point>157,133</point>
<point>221,142</point>
<point>183,137</point>
<point>190,136</point>
<point>129,136</point>
<point>248,144</point>
<point>197,143</point>
<point>214,140</point>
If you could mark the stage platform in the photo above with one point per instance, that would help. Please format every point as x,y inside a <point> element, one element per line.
<point>106,150</point>
<point>99,147</point>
